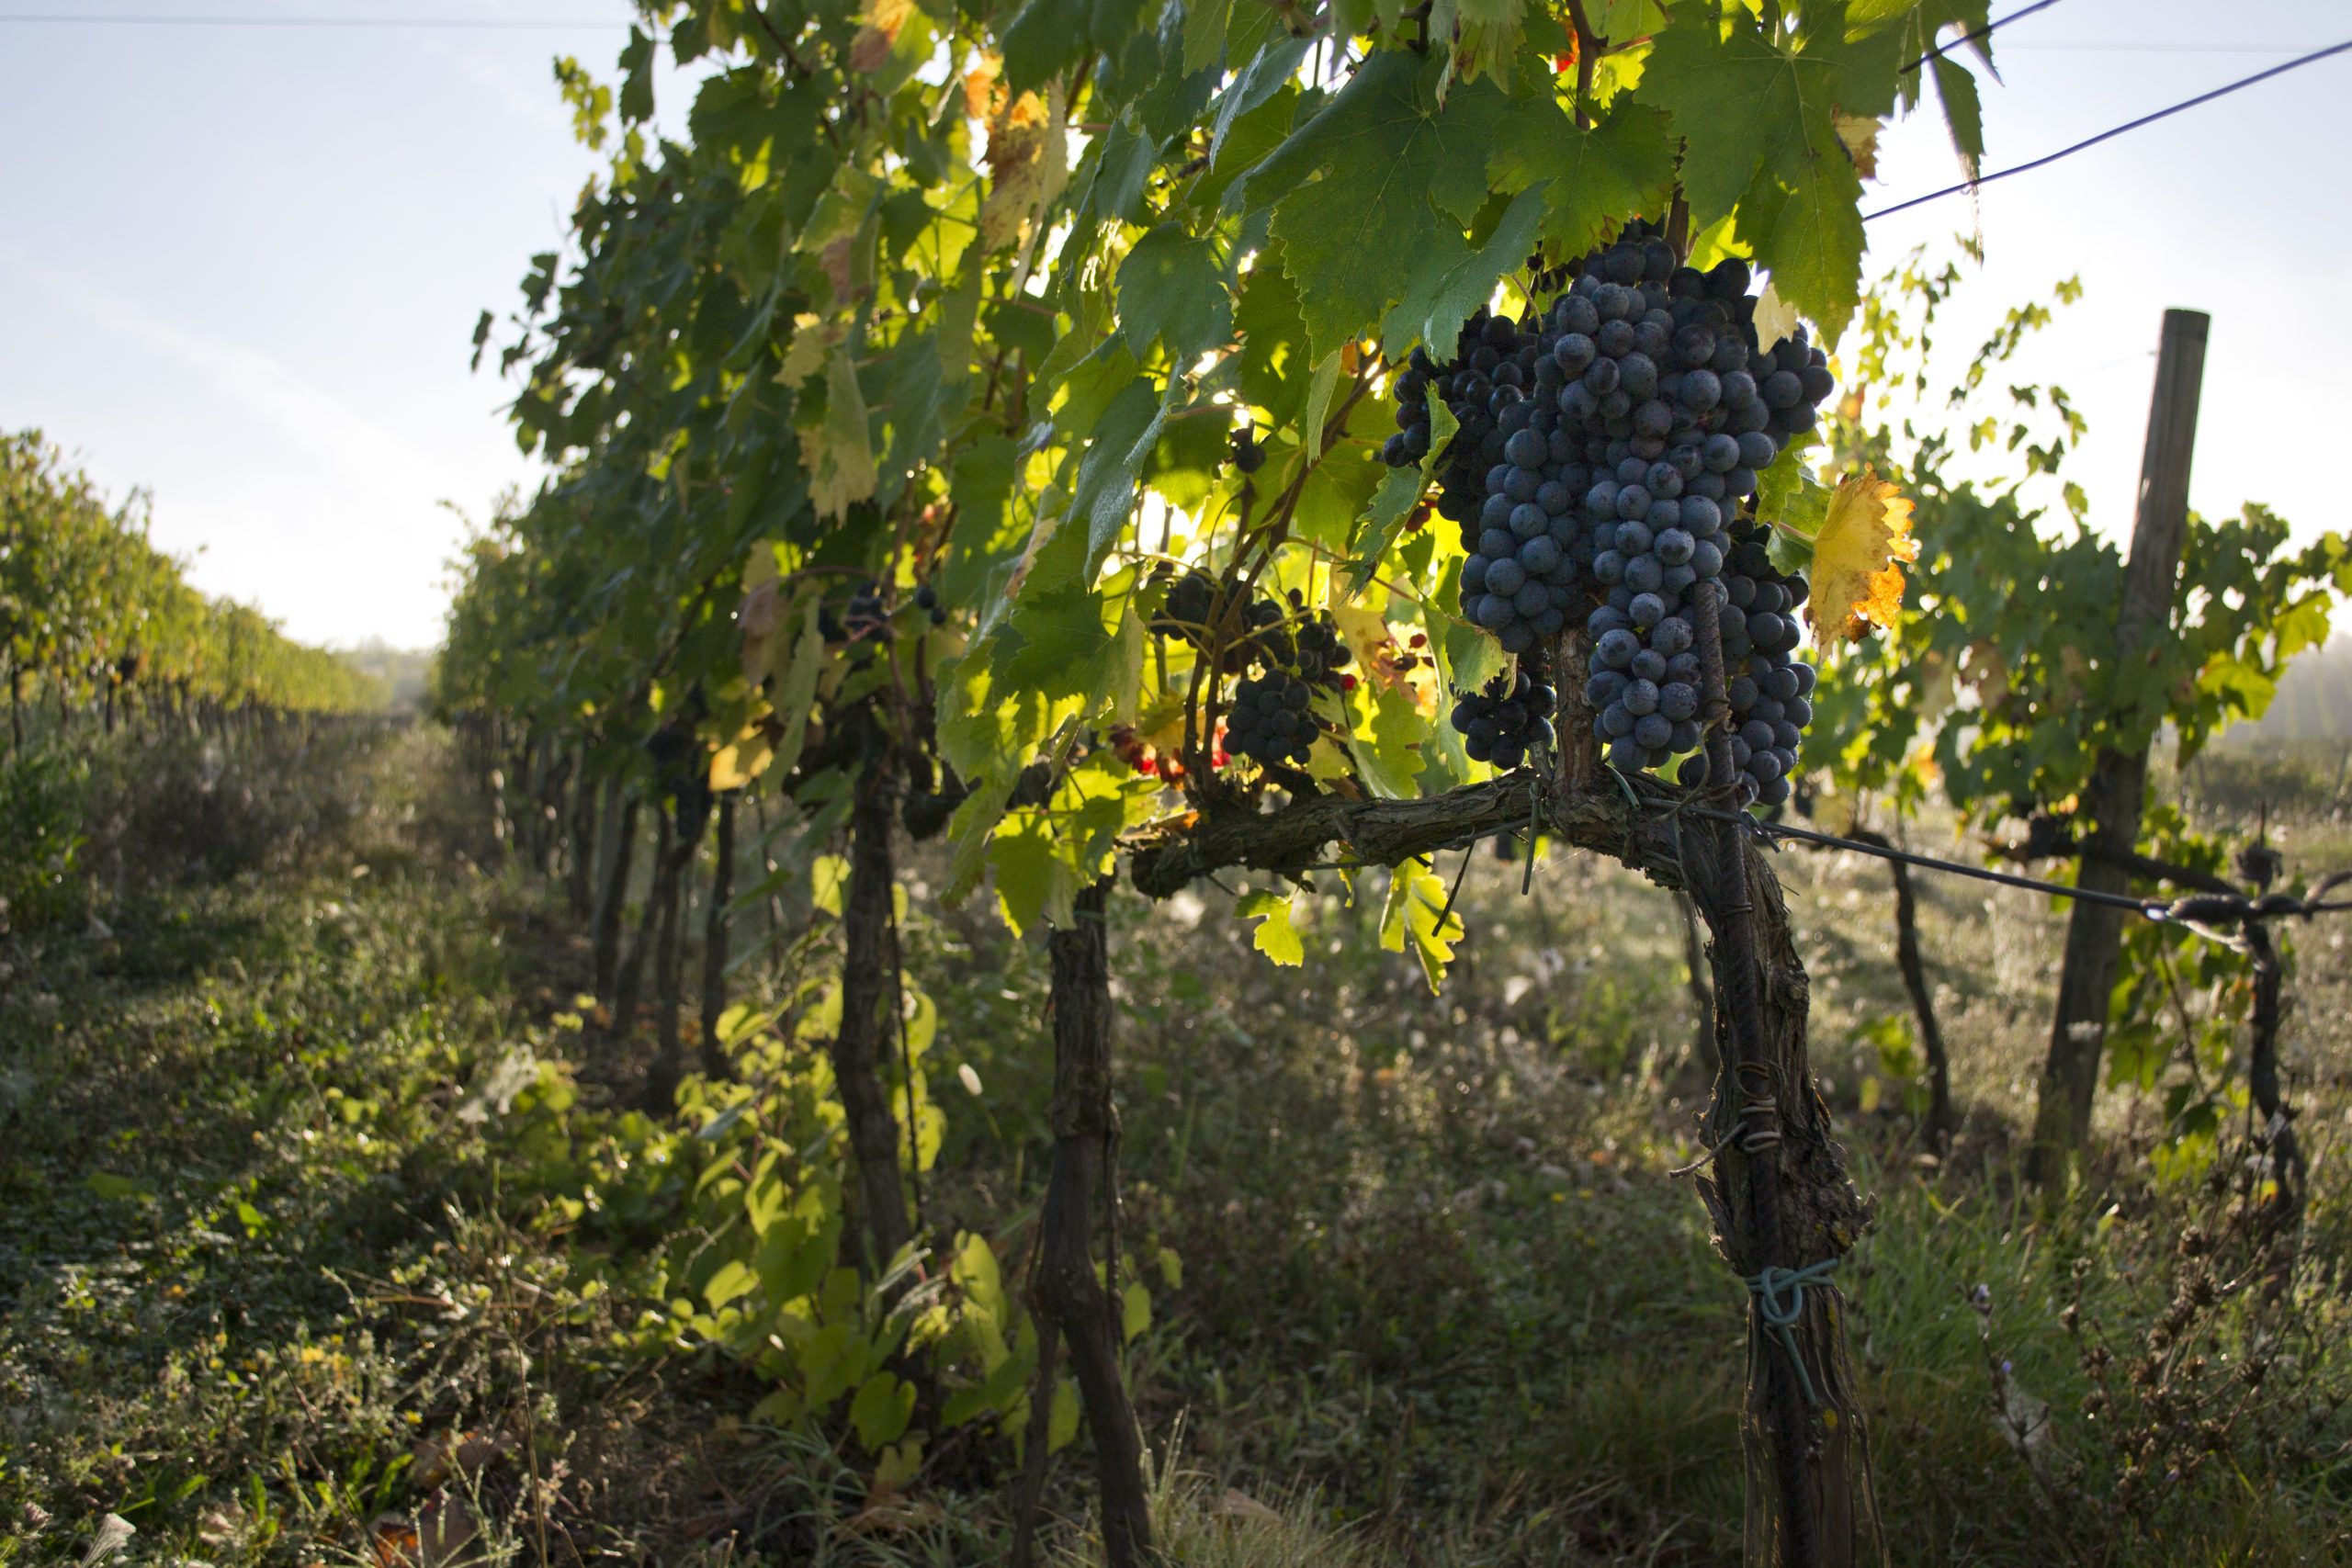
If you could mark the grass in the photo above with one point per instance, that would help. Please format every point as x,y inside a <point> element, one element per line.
<point>275,1297</point>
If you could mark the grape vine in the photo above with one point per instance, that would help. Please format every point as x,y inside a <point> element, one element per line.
<point>924,475</point>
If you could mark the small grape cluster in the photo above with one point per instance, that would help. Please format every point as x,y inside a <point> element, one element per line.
<point>866,617</point>
<point>1272,720</point>
<point>1507,721</point>
<point>1195,605</point>
<point>1320,655</point>
<point>1614,440</point>
<point>927,601</point>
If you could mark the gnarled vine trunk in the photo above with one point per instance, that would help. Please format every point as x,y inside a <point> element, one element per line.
<point>857,1047</point>
<point>620,815</point>
<point>1923,999</point>
<point>629,989</point>
<point>579,855</point>
<point>717,937</point>
<point>691,811</point>
<point>1070,1303</point>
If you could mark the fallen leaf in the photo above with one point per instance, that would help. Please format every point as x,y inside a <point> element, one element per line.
<point>393,1538</point>
<point>702,1527</point>
<point>1858,558</point>
<point>890,1515</point>
<point>1239,1506</point>
<point>445,1528</point>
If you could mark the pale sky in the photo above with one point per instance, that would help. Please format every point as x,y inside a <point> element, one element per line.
<point>241,265</point>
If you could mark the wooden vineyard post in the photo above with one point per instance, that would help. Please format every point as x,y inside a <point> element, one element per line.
<point>2119,781</point>
<point>1783,1209</point>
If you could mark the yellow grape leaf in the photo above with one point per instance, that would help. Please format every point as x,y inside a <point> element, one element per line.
<point>1377,658</point>
<point>828,878</point>
<point>1775,317</point>
<point>870,51</point>
<point>1028,157</point>
<point>839,453</point>
<point>1858,558</point>
<point>1416,897</point>
<point>810,339</point>
<point>737,764</point>
<point>1275,937</point>
<point>1860,134</point>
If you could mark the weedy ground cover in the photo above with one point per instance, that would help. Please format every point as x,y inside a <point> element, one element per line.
<point>284,1284</point>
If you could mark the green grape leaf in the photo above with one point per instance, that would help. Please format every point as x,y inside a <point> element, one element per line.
<point>1106,490</point>
<point>1273,342</point>
<point>1963,113</point>
<point>1252,137</point>
<point>1265,75</point>
<point>1435,304</point>
<point>1623,165</point>
<point>1061,1423</point>
<point>1319,388</point>
<point>1172,286</point>
<point>1757,121</point>
<point>1274,935</point>
<point>1809,239</point>
<point>915,375</point>
<point>1336,494</point>
<point>1391,163</point>
<point>883,1404</point>
<point>637,78</point>
<point>1121,174</point>
<point>1090,385</point>
<point>1205,34</point>
<point>1046,38</point>
<point>1792,504</point>
<point>1400,489</point>
<point>838,451</point>
<point>1135,1309</point>
<point>1054,642</point>
<point>1190,451</point>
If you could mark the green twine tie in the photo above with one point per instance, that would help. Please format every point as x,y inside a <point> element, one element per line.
<point>1780,1317</point>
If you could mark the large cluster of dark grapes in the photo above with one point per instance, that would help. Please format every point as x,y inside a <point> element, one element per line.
<point>1606,451</point>
<point>1507,721</point>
